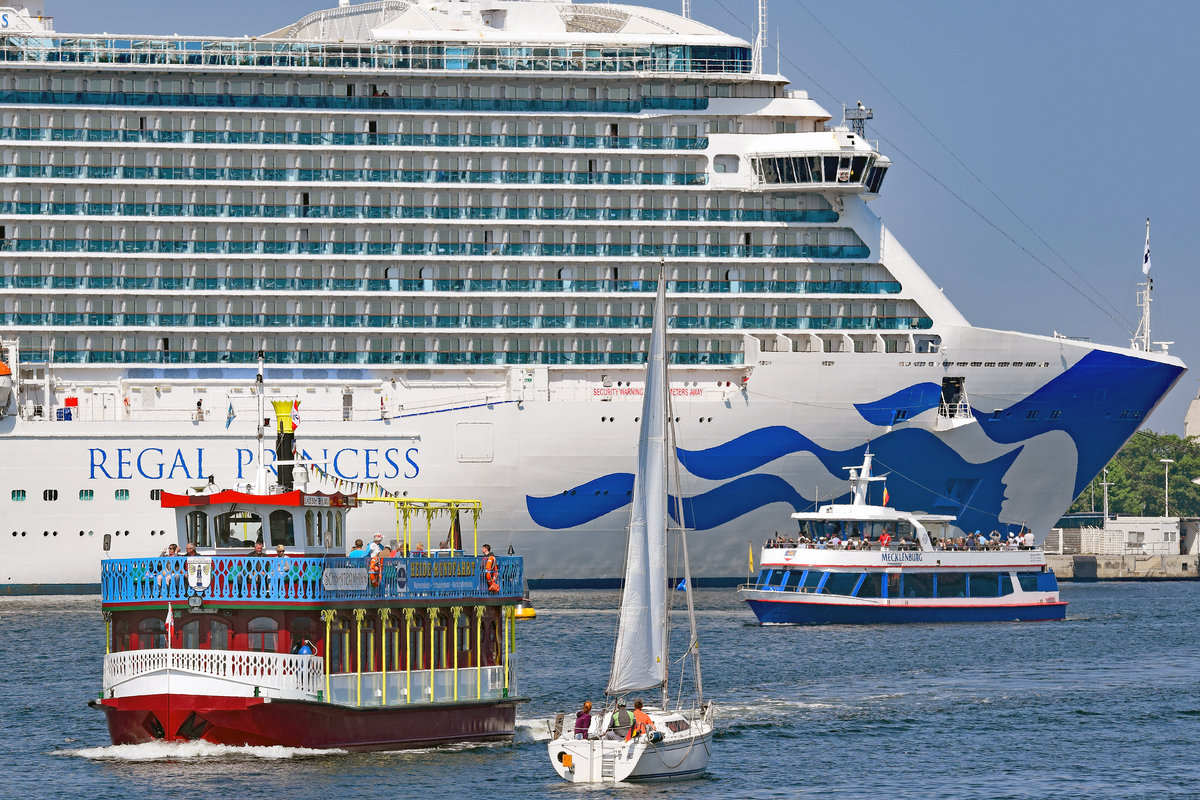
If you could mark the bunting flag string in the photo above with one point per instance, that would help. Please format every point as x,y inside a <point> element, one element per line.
<point>361,487</point>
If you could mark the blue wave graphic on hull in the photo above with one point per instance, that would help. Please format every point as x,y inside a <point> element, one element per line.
<point>915,399</point>
<point>1101,400</point>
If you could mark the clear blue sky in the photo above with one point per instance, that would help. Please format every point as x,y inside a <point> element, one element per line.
<point>1071,112</point>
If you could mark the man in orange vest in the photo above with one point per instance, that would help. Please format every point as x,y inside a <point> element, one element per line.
<point>641,721</point>
<point>491,572</point>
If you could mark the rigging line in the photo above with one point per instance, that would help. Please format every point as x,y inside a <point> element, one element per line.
<point>939,494</point>
<point>1119,321</point>
<point>954,155</point>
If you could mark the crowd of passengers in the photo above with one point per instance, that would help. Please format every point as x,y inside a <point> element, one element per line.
<point>972,541</point>
<point>375,548</point>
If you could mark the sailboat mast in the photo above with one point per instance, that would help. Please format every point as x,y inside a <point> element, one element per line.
<point>694,642</point>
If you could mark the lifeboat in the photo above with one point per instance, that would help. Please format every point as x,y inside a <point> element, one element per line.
<point>6,387</point>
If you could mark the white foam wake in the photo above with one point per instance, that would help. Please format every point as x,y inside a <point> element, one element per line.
<point>531,730</point>
<point>172,751</point>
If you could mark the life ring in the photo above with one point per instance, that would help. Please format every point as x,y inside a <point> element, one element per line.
<point>374,570</point>
<point>491,574</point>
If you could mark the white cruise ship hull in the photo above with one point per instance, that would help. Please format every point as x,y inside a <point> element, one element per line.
<point>552,468</point>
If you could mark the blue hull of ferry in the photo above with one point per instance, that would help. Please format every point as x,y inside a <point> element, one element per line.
<point>785,613</point>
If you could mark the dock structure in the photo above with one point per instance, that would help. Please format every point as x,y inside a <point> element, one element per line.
<point>1127,548</point>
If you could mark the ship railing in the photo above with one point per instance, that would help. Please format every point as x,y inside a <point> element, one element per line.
<point>252,673</point>
<point>394,688</point>
<point>288,579</point>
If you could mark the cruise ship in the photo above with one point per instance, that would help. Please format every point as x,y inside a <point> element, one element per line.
<point>442,224</point>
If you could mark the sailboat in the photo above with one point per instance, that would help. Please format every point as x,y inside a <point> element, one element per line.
<point>679,743</point>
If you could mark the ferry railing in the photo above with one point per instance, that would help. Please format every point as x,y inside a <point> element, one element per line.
<point>268,674</point>
<point>250,578</point>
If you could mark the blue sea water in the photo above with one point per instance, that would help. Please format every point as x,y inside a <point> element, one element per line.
<point>1101,705</point>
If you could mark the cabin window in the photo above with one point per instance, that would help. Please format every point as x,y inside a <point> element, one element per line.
<point>416,644</point>
<point>339,645</point>
<point>842,583</point>
<point>218,634</point>
<point>893,585</point>
<point>152,634</point>
<point>121,631</point>
<point>196,523</point>
<point>302,628</point>
<point>329,529</point>
<point>952,584</point>
<point>366,644</point>
<point>871,586</point>
<point>337,531</point>
<point>1028,581</point>
<point>190,632</point>
<point>464,633</point>
<point>281,528</point>
<point>239,529</point>
<point>791,579</point>
<point>439,644</point>
<point>918,584</point>
<point>262,635</point>
<point>393,641</point>
<point>310,528</point>
<point>983,584</point>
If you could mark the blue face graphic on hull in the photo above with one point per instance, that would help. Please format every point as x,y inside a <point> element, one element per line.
<point>1099,403</point>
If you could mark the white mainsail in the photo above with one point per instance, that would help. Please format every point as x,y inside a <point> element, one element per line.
<point>640,657</point>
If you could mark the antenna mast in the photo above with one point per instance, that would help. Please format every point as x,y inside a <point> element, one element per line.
<point>857,117</point>
<point>1141,339</point>
<point>760,41</point>
<point>687,9</point>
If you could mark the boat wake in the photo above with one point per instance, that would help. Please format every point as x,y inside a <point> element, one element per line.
<point>189,751</point>
<point>531,730</point>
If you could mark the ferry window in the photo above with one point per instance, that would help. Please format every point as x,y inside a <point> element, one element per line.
<point>337,531</point>
<point>984,584</point>
<point>156,494</point>
<point>952,584</point>
<point>791,580</point>
<point>841,583</point>
<point>329,529</point>
<point>764,578</point>
<point>438,651</point>
<point>464,633</point>
<point>87,494</point>
<point>18,495</point>
<point>893,585</point>
<point>918,584</point>
<point>281,528</point>
<point>416,644</point>
<point>812,578</point>
<point>262,635</point>
<point>310,528</point>
<point>196,523</point>
<point>152,634</point>
<point>218,634</point>
<point>1006,584</point>
<point>871,586</point>
<point>1028,581</point>
<point>121,494</point>
<point>49,495</point>
<point>238,529</point>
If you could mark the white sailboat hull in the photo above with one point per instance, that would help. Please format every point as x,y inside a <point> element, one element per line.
<point>678,756</point>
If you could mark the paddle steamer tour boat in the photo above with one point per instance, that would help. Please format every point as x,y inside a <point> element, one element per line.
<point>862,563</point>
<point>309,648</point>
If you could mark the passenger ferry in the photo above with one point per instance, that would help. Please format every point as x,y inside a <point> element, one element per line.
<point>301,645</point>
<point>443,222</point>
<point>864,564</point>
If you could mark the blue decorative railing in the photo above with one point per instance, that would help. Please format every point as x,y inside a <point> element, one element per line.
<point>282,580</point>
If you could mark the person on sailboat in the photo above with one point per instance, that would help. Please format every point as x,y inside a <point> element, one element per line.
<point>642,724</point>
<point>621,724</point>
<point>583,720</point>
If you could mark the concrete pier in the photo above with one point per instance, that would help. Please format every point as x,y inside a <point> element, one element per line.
<point>1086,567</point>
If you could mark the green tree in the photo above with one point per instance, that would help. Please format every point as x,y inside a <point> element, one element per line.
<point>1136,478</point>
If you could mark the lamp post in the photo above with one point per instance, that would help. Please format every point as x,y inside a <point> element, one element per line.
<point>1166,462</point>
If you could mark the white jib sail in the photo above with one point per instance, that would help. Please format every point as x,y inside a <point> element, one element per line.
<point>639,658</point>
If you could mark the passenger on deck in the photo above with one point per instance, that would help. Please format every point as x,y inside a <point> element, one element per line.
<point>419,551</point>
<point>170,551</point>
<point>583,720</point>
<point>359,551</point>
<point>190,549</point>
<point>258,550</point>
<point>621,723</point>
<point>642,723</point>
<point>376,546</point>
<point>1028,540</point>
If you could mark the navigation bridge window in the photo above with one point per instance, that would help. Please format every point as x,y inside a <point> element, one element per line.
<point>858,170</point>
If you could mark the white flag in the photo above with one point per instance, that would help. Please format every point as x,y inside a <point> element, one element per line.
<point>1146,254</point>
<point>170,625</point>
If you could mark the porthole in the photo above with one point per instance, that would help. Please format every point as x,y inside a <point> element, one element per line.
<point>49,495</point>
<point>155,494</point>
<point>45,533</point>
<point>81,533</point>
